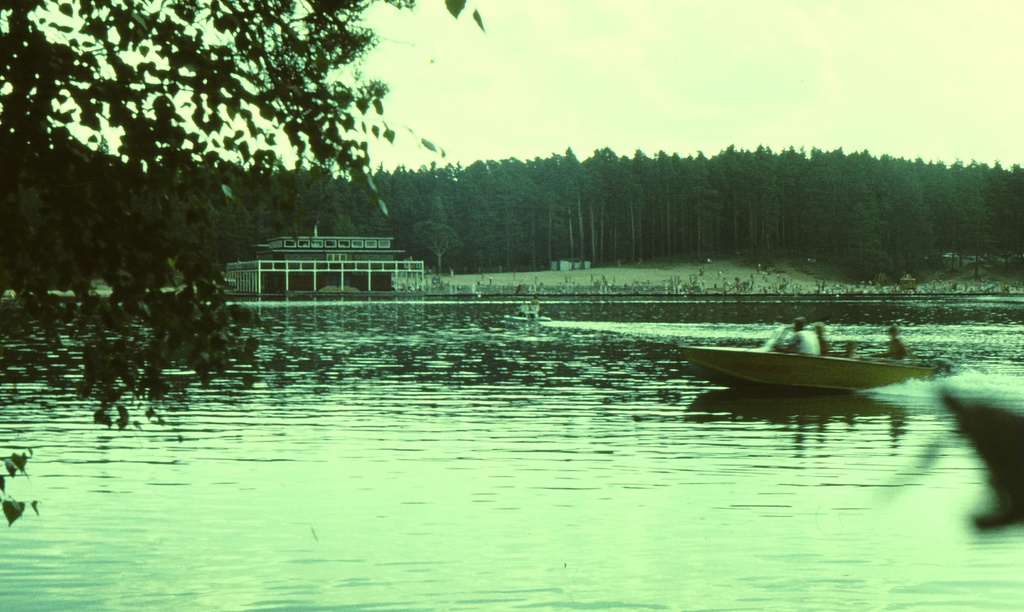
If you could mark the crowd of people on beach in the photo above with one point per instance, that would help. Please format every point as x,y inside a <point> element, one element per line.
<point>777,284</point>
<point>712,279</point>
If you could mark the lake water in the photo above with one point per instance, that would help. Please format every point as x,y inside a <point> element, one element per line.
<point>420,456</point>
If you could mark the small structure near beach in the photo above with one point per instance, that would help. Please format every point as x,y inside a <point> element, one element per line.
<point>564,265</point>
<point>306,264</point>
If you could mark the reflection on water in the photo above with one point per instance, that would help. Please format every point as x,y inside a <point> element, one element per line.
<point>799,409</point>
<point>423,456</point>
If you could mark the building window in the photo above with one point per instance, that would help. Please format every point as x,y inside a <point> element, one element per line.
<point>332,244</point>
<point>318,244</point>
<point>371,244</point>
<point>289,243</point>
<point>384,244</point>
<point>303,243</point>
<point>357,244</point>
<point>343,244</point>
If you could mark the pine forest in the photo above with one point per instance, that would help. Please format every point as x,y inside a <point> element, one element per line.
<point>862,214</point>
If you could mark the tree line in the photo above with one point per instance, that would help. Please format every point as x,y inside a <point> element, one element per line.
<point>864,214</point>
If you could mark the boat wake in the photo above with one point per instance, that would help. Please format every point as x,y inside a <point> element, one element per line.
<point>711,334</point>
<point>999,390</point>
<point>987,410</point>
<point>633,329</point>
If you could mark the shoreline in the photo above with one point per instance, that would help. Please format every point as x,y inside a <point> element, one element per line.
<point>672,279</point>
<point>710,278</point>
<point>509,297</point>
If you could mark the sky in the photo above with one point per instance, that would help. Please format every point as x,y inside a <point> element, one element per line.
<point>932,79</point>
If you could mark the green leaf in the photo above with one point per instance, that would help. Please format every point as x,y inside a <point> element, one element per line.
<point>455,7</point>
<point>429,145</point>
<point>19,461</point>
<point>2,485</point>
<point>13,510</point>
<point>479,20</point>
<point>35,507</point>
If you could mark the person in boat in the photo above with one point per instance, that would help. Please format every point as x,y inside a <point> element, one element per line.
<point>850,349</point>
<point>803,340</point>
<point>897,350</point>
<point>530,310</point>
<point>819,331</point>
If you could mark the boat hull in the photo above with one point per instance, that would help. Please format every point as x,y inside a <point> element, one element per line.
<point>521,320</point>
<point>735,367</point>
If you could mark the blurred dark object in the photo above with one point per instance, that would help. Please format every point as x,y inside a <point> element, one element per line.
<point>998,437</point>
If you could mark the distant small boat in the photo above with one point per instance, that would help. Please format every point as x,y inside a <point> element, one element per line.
<point>738,367</point>
<point>526,314</point>
<point>524,319</point>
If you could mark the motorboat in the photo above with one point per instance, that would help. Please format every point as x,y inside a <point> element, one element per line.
<point>744,367</point>
<point>525,318</point>
<point>525,314</point>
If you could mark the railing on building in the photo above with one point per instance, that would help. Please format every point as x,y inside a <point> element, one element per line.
<point>265,276</point>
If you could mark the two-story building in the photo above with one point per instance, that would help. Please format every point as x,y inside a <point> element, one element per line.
<point>290,264</point>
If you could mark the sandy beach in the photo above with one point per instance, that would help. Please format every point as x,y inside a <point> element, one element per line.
<point>710,277</point>
<point>716,277</point>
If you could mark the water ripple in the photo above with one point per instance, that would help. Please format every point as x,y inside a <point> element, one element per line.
<point>422,456</point>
